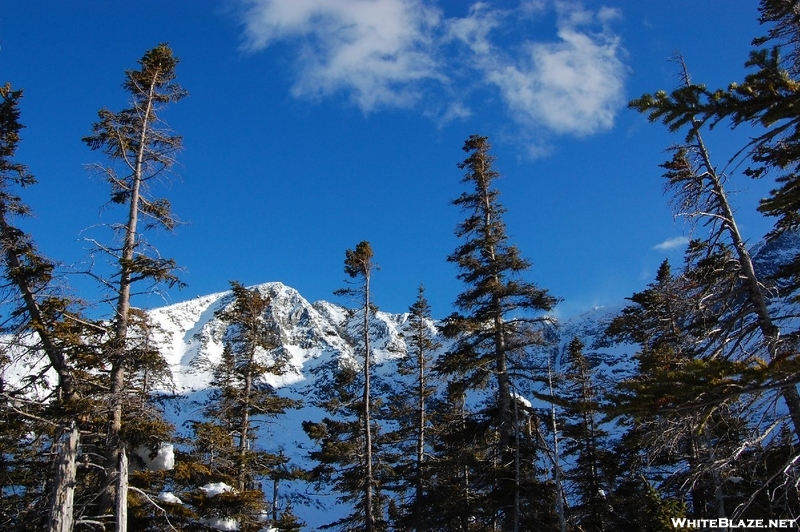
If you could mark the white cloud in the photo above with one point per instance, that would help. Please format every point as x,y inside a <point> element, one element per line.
<point>532,7</point>
<point>455,111</point>
<point>474,29</point>
<point>572,86</point>
<point>374,49</point>
<point>391,53</point>
<point>672,243</point>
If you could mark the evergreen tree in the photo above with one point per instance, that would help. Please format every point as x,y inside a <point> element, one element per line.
<point>681,446</point>
<point>750,352</point>
<point>700,191</point>
<point>45,320</point>
<point>349,438</point>
<point>140,150</point>
<point>659,322</point>
<point>452,499</point>
<point>764,99</point>
<point>42,320</point>
<point>640,507</point>
<point>500,319</point>
<point>25,273</point>
<point>410,407</point>
<point>29,275</point>
<point>585,443</point>
<point>251,351</point>
<point>340,459</point>
<point>225,448</point>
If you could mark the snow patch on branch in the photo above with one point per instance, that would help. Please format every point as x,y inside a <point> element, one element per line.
<point>221,523</point>
<point>216,488</point>
<point>169,497</point>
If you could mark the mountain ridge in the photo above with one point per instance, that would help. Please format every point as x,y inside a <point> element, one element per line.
<point>315,337</point>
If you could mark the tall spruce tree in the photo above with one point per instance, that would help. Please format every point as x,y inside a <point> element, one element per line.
<point>410,409</point>
<point>348,445</point>
<point>339,437</point>
<point>251,352</point>
<point>27,280</point>
<point>141,150</point>
<point>225,447</point>
<point>667,432</point>
<point>29,275</point>
<point>499,320</point>
<point>750,353</point>
<point>46,321</point>
<point>585,443</point>
<point>16,245</point>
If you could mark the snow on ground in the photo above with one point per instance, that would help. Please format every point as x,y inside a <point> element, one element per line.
<point>221,523</point>
<point>315,338</point>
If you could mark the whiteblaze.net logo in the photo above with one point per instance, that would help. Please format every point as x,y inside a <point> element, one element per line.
<point>725,523</point>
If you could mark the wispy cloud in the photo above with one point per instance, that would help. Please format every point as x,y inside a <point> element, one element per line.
<point>393,53</point>
<point>475,29</point>
<point>374,49</point>
<point>573,85</point>
<point>672,243</point>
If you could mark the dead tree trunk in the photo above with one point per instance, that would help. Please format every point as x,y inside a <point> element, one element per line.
<point>121,506</point>
<point>61,519</point>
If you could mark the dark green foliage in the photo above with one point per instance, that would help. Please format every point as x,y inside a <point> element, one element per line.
<point>491,269</point>
<point>657,323</point>
<point>766,100</point>
<point>11,171</point>
<point>28,276</point>
<point>670,374</point>
<point>499,320</point>
<point>742,346</point>
<point>40,320</point>
<point>139,149</point>
<point>701,436</point>
<point>358,262</point>
<point>782,30</point>
<point>340,440</point>
<point>24,447</point>
<point>640,507</point>
<point>689,422</point>
<point>225,447</point>
<point>130,136</point>
<point>409,408</point>
<point>585,443</point>
<point>350,443</point>
<point>451,500</point>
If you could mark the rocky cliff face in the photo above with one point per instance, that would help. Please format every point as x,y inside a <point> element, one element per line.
<point>314,337</point>
<point>310,334</point>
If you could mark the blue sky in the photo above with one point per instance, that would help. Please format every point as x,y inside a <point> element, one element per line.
<point>314,124</point>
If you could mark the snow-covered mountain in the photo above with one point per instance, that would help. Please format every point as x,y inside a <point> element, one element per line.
<point>311,335</point>
<point>316,337</point>
<point>320,333</point>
